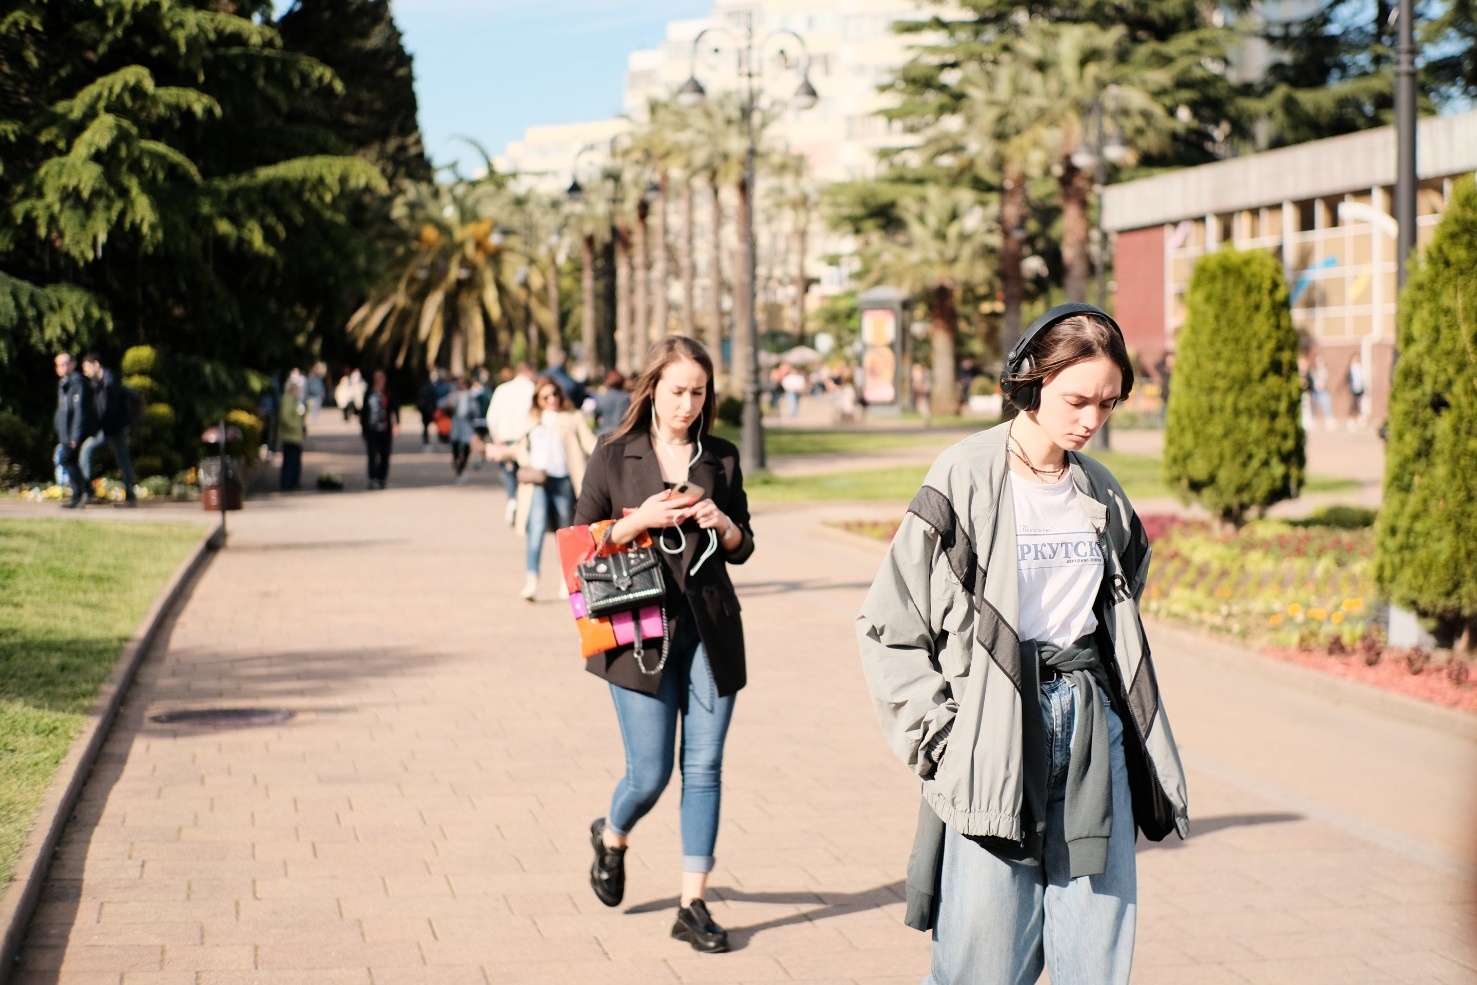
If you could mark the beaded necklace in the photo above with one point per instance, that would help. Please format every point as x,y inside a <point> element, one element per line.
<point>1046,474</point>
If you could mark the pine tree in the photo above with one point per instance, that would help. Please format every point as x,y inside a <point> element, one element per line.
<point>1426,555</point>
<point>1234,438</point>
<point>375,112</point>
<point>152,191</point>
<point>1335,70</point>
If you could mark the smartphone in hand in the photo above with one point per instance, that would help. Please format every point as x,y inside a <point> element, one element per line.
<point>685,488</point>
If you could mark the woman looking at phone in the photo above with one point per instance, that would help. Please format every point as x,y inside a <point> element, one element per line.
<point>663,445</point>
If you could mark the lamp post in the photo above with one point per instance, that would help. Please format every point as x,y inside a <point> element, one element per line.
<point>1096,156</point>
<point>1405,117</point>
<point>576,193</point>
<point>692,94</point>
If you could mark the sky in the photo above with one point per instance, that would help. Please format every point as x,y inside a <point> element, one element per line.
<point>489,69</point>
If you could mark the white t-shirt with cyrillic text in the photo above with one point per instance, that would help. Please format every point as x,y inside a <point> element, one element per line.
<point>1059,561</point>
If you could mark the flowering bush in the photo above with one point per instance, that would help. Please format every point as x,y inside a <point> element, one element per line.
<point>1270,583</point>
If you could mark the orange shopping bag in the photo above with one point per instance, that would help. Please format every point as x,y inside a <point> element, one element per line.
<point>577,545</point>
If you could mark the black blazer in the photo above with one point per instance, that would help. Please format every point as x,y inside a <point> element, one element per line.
<point>621,475</point>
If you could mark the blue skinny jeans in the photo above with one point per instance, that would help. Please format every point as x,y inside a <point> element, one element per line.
<point>649,733</point>
<point>556,496</point>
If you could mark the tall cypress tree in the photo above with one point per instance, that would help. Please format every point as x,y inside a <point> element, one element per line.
<point>1426,554</point>
<point>374,113</point>
<point>1234,438</point>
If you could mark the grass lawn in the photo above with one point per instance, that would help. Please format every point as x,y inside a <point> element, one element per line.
<point>1139,475</point>
<point>781,442</point>
<point>71,594</point>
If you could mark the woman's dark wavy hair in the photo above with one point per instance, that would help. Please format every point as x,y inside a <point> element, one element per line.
<point>673,348</point>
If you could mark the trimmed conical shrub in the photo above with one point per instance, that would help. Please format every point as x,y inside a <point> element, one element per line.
<point>1234,438</point>
<point>1426,553</point>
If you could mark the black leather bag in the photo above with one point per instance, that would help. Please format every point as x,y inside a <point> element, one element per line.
<point>628,578</point>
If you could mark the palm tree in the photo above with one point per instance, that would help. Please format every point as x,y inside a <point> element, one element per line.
<point>594,225</point>
<point>666,143</point>
<point>790,191</point>
<point>1002,142</point>
<point>717,129</point>
<point>944,250</point>
<point>539,219</point>
<point>450,283</point>
<point>1079,66</point>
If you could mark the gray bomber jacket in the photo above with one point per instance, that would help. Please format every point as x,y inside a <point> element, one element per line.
<point>941,653</point>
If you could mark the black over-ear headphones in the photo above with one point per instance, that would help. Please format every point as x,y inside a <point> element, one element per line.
<point>1026,394</point>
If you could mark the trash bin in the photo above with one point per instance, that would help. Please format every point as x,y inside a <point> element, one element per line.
<point>221,469</point>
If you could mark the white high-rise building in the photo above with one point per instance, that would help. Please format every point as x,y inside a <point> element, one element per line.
<point>850,50</point>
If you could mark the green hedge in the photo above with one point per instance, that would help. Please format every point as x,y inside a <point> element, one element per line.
<point>1234,437</point>
<point>1426,556</point>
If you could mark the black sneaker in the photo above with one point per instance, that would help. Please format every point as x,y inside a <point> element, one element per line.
<point>696,926</point>
<point>608,871</point>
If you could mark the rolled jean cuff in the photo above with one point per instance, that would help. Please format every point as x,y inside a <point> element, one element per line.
<point>615,830</point>
<point>697,863</point>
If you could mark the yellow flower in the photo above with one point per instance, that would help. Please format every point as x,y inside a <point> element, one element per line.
<point>1337,617</point>
<point>1318,614</point>
<point>1276,619</point>
<point>1294,610</point>
<point>1352,605</point>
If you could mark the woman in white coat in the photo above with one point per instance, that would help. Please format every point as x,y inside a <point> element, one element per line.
<point>553,453</point>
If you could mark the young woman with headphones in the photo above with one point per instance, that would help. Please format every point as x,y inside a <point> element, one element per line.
<point>665,473</point>
<point>1008,666</point>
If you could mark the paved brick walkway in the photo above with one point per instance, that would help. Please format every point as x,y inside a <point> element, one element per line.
<point>422,818</point>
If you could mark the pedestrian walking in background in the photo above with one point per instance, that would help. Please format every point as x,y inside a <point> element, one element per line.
<point>793,383</point>
<point>922,382</point>
<point>316,390</point>
<point>482,398</point>
<point>76,421</point>
<point>114,420</point>
<point>1000,645</point>
<point>1318,391</point>
<point>427,398</point>
<point>611,403</point>
<point>665,439</point>
<point>507,423</point>
<point>573,388</point>
<point>551,461</point>
<point>379,423</point>
<point>343,392</point>
<point>461,406</point>
<point>292,434</point>
<point>1165,370</point>
<point>1358,393</point>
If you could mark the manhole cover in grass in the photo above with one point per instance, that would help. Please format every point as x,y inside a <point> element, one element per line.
<point>223,717</point>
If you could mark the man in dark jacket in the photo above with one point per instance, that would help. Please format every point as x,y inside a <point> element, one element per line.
<point>76,421</point>
<point>114,421</point>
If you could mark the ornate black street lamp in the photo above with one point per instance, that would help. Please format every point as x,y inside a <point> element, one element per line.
<point>692,94</point>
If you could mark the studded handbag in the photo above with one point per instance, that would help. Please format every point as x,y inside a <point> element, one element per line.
<point>620,579</point>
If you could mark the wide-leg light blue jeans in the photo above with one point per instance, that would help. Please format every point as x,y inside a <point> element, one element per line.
<point>999,922</point>
<point>649,734</point>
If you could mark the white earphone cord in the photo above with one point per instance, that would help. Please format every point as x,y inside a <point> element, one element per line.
<point>682,537</point>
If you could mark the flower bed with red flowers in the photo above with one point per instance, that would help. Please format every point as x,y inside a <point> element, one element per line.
<point>1300,593</point>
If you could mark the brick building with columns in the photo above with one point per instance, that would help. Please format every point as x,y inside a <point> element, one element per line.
<point>1325,208</point>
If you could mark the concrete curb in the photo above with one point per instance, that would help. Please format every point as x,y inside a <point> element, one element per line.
<point>18,903</point>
